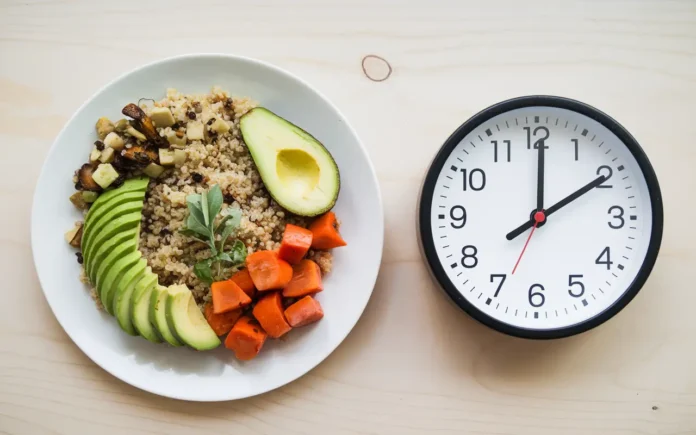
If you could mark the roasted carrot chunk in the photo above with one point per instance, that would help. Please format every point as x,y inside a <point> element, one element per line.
<point>227,296</point>
<point>325,233</point>
<point>303,312</point>
<point>243,280</point>
<point>268,271</point>
<point>246,338</point>
<point>221,323</point>
<point>306,280</point>
<point>295,244</point>
<point>269,312</point>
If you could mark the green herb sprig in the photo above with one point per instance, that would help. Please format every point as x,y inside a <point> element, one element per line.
<point>200,225</point>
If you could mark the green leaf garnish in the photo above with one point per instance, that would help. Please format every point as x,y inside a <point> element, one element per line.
<point>200,225</point>
<point>203,271</point>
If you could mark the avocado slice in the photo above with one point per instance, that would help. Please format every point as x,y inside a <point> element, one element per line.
<point>124,293</point>
<point>158,302</point>
<point>140,306</point>
<point>120,224</point>
<point>187,321</point>
<point>130,185</point>
<point>112,278</point>
<point>119,200</point>
<point>297,170</point>
<point>100,282</point>
<point>118,211</point>
<point>104,249</point>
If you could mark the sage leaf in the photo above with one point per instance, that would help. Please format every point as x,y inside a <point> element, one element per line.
<point>204,271</point>
<point>194,205</point>
<point>194,225</point>
<point>204,208</point>
<point>238,253</point>
<point>214,198</point>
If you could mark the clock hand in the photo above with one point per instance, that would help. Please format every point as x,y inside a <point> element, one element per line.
<point>557,206</point>
<point>538,218</point>
<point>540,176</point>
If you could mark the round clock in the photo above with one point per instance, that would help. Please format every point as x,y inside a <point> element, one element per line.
<point>541,217</point>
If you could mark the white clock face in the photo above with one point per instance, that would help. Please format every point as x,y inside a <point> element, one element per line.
<point>587,252</point>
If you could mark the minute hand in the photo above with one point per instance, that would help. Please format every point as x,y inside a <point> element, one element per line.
<point>559,205</point>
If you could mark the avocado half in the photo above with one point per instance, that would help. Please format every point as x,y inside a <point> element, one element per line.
<point>126,286</point>
<point>297,170</point>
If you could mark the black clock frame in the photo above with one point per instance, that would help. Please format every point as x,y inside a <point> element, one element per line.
<point>427,244</point>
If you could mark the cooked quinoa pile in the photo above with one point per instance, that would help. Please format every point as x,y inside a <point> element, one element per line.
<point>219,158</point>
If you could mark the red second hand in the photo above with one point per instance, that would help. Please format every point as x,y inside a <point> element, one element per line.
<point>538,218</point>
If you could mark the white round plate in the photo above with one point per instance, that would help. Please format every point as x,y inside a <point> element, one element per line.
<point>182,373</point>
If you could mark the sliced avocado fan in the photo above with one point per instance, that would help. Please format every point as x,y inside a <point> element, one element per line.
<point>127,287</point>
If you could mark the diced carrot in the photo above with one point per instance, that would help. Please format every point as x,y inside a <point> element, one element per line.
<point>269,312</point>
<point>227,296</point>
<point>295,244</point>
<point>303,312</point>
<point>246,338</point>
<point>221,323</point>
<point>306,280</point>
<point>268,271</point>
<point>325,233</point>
<point>243,280</point>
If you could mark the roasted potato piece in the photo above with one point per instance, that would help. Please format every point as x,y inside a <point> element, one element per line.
<point>166,157</point>
<point>176,138</point>
<point>74,236</point>
<point>105,175</point>
<point>144,124</point>
<point>78,200</point>
<point>153,170</point>
<point>89,197</point>
<point>104,126</point>
<point>135,133</point>
<point>162,117</point>
<point>121,125</point>
<point>85,180</point>
<point>140,154</point>
<point>194,130</point>
<point>114,141</point>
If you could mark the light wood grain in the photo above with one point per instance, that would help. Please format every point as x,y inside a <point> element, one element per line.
<point>414,364</point>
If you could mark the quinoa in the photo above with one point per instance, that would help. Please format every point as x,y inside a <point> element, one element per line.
<point>221,159</point>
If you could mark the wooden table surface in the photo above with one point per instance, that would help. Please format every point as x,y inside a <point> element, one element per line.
<point>414,364</point>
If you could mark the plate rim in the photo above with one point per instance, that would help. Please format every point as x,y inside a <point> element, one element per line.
<point>379,212</point>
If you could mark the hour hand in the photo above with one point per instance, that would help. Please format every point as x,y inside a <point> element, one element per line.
<point>557,206</point>
<point>519,230</point>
